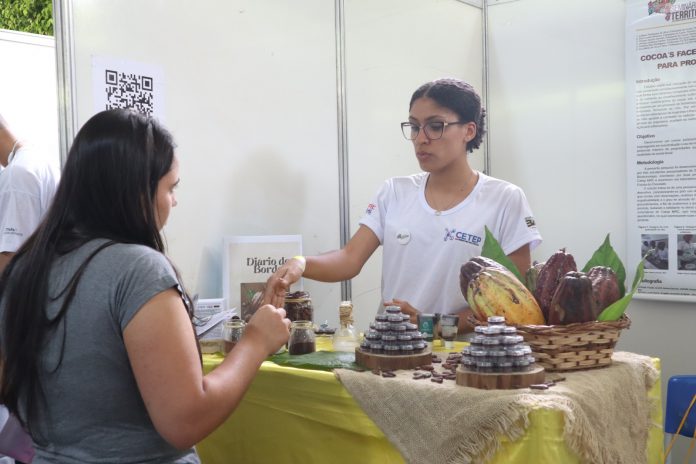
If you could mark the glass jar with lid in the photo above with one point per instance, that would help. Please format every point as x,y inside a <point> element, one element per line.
<point>302,339</point>
<point>298,306</point>
<point>232,331</point>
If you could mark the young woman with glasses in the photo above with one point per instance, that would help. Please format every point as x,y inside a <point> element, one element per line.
<point>99,358</point>
<point>432,222</point>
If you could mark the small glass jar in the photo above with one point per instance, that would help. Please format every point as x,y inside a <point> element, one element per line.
<point>504,366</point>
<point>419,346</point>
<point>298,306</point>
<point>484,366</point>
<point>391,349</point>
<point>406,348</point>
<point>383,327</point>
<point>393,309</point>
<point>302,339</point>
<point>376,347</point>
<point>509,331</point>
<point>398,328</point>
<point>232,332</point>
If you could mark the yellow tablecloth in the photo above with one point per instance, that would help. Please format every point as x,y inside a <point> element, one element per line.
<point>302,416</point>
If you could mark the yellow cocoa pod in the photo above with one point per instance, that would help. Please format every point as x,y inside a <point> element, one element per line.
<point>497,292</point>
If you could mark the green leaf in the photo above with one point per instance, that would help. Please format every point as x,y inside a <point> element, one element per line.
<point>319,360</point>
<point>606,256</point>
<point>615,310</point>
<point>493,250</point>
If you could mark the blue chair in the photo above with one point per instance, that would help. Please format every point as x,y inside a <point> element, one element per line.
<point>681,407</point>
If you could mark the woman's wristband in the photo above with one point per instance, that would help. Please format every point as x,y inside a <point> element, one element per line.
<point>302,260</point>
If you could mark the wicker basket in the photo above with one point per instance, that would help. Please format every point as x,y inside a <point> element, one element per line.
<point>584,345</point>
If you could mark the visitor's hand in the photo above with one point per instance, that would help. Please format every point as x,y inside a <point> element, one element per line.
<point>406,308</point>
<point>270,327</point>
<point>281,280</point>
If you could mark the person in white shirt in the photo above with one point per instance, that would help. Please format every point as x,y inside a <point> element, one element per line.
<point>686,251</point>
<point>430,223</point>
<point>28,182</point>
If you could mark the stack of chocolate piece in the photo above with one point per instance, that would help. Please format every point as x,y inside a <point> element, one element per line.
<point>392,333</point>
<point>497,348</point>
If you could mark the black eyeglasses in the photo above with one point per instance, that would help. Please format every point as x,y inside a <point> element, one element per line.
<point>433,130</point>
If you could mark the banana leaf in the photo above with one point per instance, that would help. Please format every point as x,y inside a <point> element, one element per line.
<point>615,310</point>
<point>319,360</point>
<point>493,250</point>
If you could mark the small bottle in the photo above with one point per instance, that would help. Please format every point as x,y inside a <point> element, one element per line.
<point>345,338</point>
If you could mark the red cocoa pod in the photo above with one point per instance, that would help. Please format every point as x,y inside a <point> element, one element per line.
<point>549,276</point>
<point>605,286</point>
<point>573,300</point>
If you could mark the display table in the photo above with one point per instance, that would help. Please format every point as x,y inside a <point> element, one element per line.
<point>306,416</point>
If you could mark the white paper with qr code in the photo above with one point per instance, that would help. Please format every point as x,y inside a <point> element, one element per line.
<point>128,84</point>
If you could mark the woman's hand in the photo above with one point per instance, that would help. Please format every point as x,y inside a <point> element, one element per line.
<point>270,326</point>
<point>279,283</point>
<point>406,308</point>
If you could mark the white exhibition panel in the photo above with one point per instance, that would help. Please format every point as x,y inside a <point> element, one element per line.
<point>251,102</point>
<point>251,98</point>
<point>392,47</point>
<point>28,99</point>
<point>557,120</point>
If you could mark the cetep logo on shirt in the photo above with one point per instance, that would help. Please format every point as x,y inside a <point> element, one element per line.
<point>453,234</point>
<point>370,208</point>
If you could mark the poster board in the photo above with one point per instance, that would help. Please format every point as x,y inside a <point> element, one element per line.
<point>248,261</point>
<point>661,146</point>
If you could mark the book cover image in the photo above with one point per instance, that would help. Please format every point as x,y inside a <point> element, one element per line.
<point>248,263</point>
<point>251,295</point>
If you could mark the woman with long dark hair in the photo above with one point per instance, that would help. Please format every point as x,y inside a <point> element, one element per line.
<point>99,357</point>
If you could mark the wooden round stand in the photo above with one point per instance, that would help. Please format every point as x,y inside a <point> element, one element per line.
<point>392,362</point>
<point>499,380</point>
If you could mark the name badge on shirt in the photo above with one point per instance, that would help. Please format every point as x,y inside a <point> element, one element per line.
<point>403,237</point>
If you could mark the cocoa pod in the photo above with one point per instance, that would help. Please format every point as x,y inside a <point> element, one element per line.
<point>605,286</point>
<point>497,292</point>
<point>550,275</point>
<point>573,300</point>
<point>531,276</point>
<point>472,267</point>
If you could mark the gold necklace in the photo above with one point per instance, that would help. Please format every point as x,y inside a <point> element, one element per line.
<point>438,211</point>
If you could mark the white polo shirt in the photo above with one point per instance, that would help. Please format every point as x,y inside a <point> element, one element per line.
<point>27,186</point>
<point>423,251</point>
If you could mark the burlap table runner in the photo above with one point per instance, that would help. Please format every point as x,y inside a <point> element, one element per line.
<point>606,410</point>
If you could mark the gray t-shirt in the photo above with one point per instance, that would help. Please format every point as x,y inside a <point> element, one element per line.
<point>95,413</point>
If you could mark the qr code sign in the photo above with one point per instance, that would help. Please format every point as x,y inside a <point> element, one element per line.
<point>129,90</point>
